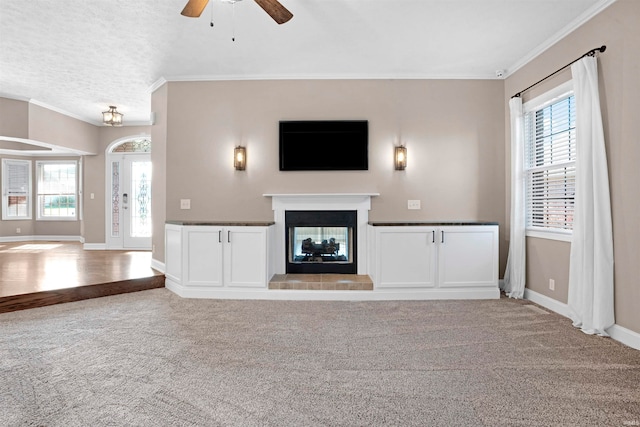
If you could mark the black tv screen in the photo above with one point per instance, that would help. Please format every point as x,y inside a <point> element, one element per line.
<point>324,145</point>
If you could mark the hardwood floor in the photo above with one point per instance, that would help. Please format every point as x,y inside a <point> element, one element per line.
<point>36,274</point>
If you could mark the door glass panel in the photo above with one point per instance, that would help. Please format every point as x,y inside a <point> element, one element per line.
<point>140,200</point>
<point>115,199</point>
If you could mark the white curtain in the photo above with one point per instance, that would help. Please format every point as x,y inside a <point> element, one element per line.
<point>515,273</point>
<point>591,261</point>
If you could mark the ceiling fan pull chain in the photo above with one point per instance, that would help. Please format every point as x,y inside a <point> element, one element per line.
<point>233,21</point>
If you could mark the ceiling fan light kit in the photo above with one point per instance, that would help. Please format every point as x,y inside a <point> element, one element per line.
<point>279,13</point>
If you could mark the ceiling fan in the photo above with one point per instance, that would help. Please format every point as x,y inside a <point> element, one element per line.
<point>278,12</point>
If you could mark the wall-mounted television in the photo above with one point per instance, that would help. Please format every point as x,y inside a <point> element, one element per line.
<point>322,145</point>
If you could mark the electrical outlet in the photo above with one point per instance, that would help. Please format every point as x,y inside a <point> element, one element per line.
<point>552,284</point>
<point>93,196</point>
<point>185,203</point>
<point>18,231</point>
<point>413,204</point>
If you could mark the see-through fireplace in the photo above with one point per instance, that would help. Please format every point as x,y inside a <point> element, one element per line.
<point>321,241</point>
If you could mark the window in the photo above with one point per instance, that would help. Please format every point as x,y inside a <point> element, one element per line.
<point>16,189</point>
<point>549,164</point>
<point>57,193</point>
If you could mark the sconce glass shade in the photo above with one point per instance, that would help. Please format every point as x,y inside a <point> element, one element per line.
<point>111,117</point>
<point>400,157</point>
<point>240,158</point>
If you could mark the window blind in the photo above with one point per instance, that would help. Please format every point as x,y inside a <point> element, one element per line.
<point>17,176</point>
<point>550,151</point>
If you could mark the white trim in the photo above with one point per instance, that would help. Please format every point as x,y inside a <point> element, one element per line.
<point>78,172</point>
<point>551,96</point>
<point>625,336</point>
<point>157,265</point>
<point>52,149</point>
<point>25,238</point>
<point>95,246</point>
<point>157,84</point>
<point>550,235</point>
<point>307,295</point>
<point>617,332</point>
<point>547,302</point>
<point>263,77</point>
<point>280,203</point>
<point>568,29</point>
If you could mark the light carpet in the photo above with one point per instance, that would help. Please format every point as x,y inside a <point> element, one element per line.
<point>152,358</point>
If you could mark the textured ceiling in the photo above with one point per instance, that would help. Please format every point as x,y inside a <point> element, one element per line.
<point>81,56</point>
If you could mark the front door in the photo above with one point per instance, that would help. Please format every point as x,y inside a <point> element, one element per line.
<point>136,201</point>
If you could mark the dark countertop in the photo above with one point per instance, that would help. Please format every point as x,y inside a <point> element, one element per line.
<point>427,223</point>
<point>223,223</point>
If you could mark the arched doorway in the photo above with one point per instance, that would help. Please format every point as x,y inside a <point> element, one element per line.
<point>128,193</point>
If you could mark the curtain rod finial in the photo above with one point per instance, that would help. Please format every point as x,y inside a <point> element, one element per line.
<point>603,48</point>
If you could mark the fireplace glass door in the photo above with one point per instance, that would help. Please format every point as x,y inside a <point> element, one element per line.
<point>321,241</point>
<point>320,244</point>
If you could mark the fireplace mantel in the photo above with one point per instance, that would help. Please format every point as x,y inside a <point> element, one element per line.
<point>360,202</point>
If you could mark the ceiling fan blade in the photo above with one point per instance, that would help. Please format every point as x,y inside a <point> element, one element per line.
<point>194,8</point>
<point>278,12</point>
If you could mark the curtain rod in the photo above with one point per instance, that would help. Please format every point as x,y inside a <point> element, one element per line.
<point>592,52</point>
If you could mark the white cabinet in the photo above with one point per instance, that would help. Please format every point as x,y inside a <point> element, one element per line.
<point>438,258</point>
<point>216,257</point>
<point>405,257</point>
<point>468,256</point>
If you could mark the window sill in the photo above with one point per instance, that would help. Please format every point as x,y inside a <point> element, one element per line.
<point>550,235</point>
<point>57,219</point>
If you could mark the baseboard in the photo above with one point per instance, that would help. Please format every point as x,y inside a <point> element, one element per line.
<point>12,239</point>
<point>625,336</point>
<point>547,302</point>
<point>307,295</point>
<point>94,246</point>
<point>617,332</point>
<point>157,265</point>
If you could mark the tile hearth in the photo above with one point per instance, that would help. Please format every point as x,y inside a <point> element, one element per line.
<point>322,282</point>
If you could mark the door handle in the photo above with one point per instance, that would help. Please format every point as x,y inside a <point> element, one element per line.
<point>442,238</point>
<point>228,236</point>
<point>219,236</point>
<point>433,236</point>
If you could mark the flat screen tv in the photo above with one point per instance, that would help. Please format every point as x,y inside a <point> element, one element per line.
<point>338,145</point>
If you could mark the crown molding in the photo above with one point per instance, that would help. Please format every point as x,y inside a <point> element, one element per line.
<point>572,26</point>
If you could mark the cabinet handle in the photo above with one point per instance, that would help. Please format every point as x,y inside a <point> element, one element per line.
<point>228,236</point>
<point>219,236</point>
<point>442,238</point>
<point>433,236</point>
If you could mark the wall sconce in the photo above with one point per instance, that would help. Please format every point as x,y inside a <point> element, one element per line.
<point>240,158</point>
<point>401,157</point>
<point>112,117</point>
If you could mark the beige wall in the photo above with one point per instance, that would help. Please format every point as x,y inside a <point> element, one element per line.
<point>453,130</point>
<point>14,118</point>
<point>54,128</point>
<point>619,68</point>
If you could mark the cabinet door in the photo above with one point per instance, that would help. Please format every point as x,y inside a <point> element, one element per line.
<point>202,256</point>
<point>468,256</point>
<point>245,257</point>
<point>405,257</point>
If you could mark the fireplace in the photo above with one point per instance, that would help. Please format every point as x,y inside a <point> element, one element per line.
<point>284,203</point>
<point>321,241</point>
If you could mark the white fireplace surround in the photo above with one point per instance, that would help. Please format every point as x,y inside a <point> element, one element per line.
<point>360,202</point>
